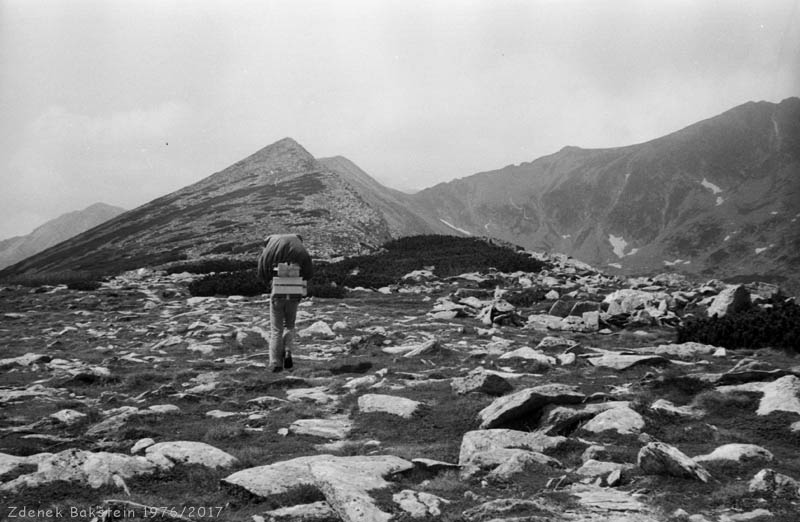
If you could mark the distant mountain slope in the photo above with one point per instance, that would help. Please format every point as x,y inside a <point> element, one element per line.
<point>55,231</point>
<point>401,212</point>
<point>720,198</point>
<point>280,188</point>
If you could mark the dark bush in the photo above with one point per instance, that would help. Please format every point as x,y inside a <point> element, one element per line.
<point>448,255</point>
<point>206,266</point>
<point>776,327</point>
<point>85,286</point>
<point>243,282</point>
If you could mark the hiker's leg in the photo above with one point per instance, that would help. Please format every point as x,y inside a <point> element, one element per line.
<point>289,320</point>
<point>276,321</point>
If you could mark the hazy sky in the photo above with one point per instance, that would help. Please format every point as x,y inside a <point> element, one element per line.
<point>125,101</point>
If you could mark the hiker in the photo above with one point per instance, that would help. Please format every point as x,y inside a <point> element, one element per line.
<point>285,265</point>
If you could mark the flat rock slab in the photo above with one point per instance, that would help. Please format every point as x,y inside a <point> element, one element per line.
<point>607,504</point>
<point>780,395</point>
<point>346,483</point>
<point>662,459</point>
<point>623,362</point>
<point>191,452</point>
<point>400,406</point>
<point>273,480</point>
<point>315,512</point>
<point>666,407</point>
<point>331,428</point>
<point>525,402</point>
<point>85,468</point>
<point>688,350</point>
<point>317,394</point>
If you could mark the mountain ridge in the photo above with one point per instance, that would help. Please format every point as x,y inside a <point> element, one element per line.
<point>643,196</point>
<point>54,231</point>
<point>717,198</point>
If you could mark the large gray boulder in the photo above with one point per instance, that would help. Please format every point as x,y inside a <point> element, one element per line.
<point>480,441</point>
<point>481,381</point>
<point>85,468</point>
<point>272,481</point>
<point>622,420</point>
<point>771,483</point>
<point>733,298</point>
<point>525,402</point>
<point>658,458</point>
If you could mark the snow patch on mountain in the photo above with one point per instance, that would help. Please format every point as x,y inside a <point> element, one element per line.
<point>710,186</point>
<point>465,232</point>
<point>619,245</point>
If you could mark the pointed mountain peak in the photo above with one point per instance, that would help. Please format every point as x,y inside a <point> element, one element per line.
<point>285,148</point>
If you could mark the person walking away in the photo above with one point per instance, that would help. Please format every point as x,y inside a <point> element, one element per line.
<point>285,266</point>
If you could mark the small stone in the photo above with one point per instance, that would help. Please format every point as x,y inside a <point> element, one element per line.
<point>400,406</point>
<point>141,444</point>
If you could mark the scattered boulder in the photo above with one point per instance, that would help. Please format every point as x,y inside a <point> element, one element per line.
<point>617,361</point>
<point>85,468</point>
<point>659,458</point>
<point>688,350</point>
<point>478,441</point>
<point>581,307</point>
<point>733,298</point>
<point>560,309</point>
<point>769,482</point>
<point>400,406</point>
<point>622,419</point>
<point>346,481</point>
<point>506,409</point>
<point>737,453</point>
<point>319,511</point>
<point>482,381</point>
<point>331,428</point>
<point>419,504</point>
<point>318,329</point>
<point>191,452</point>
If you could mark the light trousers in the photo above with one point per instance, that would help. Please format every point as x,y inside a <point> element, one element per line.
<point>282,315</point>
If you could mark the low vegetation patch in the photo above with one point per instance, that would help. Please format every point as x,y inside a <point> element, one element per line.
<point>447,255</point>
<point>775,327</point>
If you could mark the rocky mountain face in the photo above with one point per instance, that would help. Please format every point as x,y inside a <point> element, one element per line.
<point>55,231</point>
<point>719,198</point>
<point>337,209</point>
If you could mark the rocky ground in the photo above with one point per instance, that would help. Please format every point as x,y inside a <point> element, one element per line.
<point>432,400</point>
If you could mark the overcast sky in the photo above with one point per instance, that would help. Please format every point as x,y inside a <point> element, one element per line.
<point>125,101</point>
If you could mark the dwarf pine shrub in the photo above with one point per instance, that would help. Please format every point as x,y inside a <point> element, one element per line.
<point>449,255</point>
<point>775,327</point>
